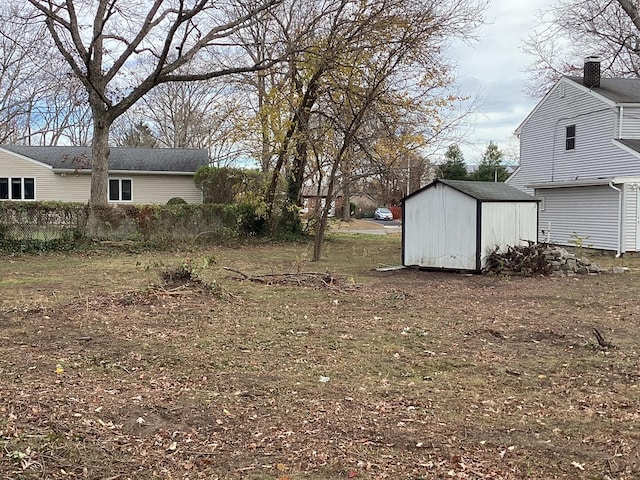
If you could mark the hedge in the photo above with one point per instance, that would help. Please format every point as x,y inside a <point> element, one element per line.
<point>34,226</point>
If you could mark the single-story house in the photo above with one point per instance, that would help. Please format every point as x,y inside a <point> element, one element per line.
<point>455,224</point>
<point>136,175</point>
<point>310,197</point>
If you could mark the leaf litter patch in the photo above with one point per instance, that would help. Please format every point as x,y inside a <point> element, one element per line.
<point>185,386</point>
<point>314,280</point>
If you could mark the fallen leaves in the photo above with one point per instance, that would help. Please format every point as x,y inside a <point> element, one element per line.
<point>291,383</point>
<point>316,280</point>
<point>579,466</point>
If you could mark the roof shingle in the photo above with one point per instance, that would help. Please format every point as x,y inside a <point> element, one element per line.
<point>618,90</point>
<point>489,191</point>
<point>183,160</point>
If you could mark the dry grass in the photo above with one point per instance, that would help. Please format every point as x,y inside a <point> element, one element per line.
<point>106,374</point>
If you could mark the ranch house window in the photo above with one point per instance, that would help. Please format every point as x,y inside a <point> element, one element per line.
<point>17,188</point>
<point>120,190</point>
<point>570,142</point>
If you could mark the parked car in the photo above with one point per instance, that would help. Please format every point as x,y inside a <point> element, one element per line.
<point>383,213</point>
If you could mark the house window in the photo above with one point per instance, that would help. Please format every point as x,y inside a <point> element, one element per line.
<point>570,141</point>
<point>120,190</point>
<point>17,188</point>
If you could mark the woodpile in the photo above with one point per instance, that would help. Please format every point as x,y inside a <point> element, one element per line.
<point>537,259</point>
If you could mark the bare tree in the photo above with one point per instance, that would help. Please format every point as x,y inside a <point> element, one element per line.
<point>40,104</point>
<point>390,68</point>
<point>195,115</point>
<point>21,86</point>
<point>574,29</point>
<point>104,41</point>
<point>58,113</point>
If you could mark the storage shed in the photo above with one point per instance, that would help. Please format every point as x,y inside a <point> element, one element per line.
<point>454,224</point>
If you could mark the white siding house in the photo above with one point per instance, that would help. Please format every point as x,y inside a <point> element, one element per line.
<point>455,224</point>
<point>580,155</point>
<point>136,175</point>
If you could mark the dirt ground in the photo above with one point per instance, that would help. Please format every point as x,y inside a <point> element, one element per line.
<point>107,371</point>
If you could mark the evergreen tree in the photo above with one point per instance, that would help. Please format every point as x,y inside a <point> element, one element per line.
<point>138,135</point>
<point>491,168</point>
<point>454,167</point>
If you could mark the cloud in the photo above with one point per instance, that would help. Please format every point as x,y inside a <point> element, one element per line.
<point>492,71</point>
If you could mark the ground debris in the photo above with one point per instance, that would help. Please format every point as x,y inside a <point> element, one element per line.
<point>430,374</point>
<point>537,259</point>
<point>317,280</point>
<point>520,259</point>
<point>604,344</point>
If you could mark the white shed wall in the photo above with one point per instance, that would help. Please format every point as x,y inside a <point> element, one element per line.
<point>440,229</point>
<point>507,224</point>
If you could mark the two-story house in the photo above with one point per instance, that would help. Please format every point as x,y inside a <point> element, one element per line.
<point>580,155</point>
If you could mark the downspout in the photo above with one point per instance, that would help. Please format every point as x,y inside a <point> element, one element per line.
<point>620,122</point>
<point>619,252</point>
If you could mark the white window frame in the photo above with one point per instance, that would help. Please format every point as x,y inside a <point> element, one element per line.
<point>120,180</point>
<point>22,189</point>
<point>568,137</point>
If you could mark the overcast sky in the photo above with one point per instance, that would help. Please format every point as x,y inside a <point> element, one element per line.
<point>492,70</point>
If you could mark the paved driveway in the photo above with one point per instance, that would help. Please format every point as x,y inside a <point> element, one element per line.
<point>377,227</point>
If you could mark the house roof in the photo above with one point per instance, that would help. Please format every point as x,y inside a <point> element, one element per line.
<point>483,191</point>
<point>311,191</point>
<point>175,160</point>
<point>586,182</point>
<point>615,91</point>
<point>633,144</point>
<point>618,90</point>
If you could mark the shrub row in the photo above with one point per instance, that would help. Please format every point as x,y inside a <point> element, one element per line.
<point>37,226</point>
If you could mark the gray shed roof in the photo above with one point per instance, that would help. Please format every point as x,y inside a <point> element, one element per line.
<point>483,191</point>
<point>175,160</point>
<point>618,90</point>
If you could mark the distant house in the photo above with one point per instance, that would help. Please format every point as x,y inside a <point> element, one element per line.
<point>580,155</point>
<point>311,197</point>
<point>136,175</point>
<point>455,224</point>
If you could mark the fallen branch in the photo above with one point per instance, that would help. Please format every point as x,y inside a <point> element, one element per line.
<point>601,341</point>
<point>303,279</point>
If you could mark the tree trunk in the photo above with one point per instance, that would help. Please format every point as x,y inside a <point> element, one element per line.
<point>100,167</point>
<point>321,227</point>
<point>296,177</point>
<point>346,201</point>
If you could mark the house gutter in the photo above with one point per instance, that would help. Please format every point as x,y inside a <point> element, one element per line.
<point>86,171</point>
<point>619,252</point>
